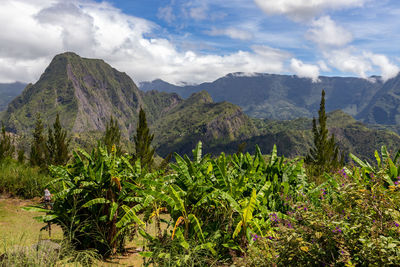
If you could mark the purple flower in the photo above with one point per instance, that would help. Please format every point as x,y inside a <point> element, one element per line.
<point>337,230</point>
<point>305,208</point>
<point>397,225</point>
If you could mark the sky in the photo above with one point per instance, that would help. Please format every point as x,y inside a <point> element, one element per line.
<point>194,41</point>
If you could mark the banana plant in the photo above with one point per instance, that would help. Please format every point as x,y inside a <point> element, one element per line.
<point>98,197</point>
<point>385,166</point>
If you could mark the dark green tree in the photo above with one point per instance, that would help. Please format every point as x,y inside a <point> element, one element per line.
<point>38,154</point>
<point>324,155</point>
<point>112,136</point>
<point>142,141</point>
<point>57,144</point>
<point>6,144</point>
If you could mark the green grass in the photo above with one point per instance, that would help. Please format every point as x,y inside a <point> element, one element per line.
<point>22,180</point>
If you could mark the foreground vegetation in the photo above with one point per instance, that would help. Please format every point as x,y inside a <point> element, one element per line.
<point>251,210</point>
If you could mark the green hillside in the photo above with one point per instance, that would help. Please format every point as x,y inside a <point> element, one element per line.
<point>84,91</point>
<point>199,118</point>
<point>294,137</point>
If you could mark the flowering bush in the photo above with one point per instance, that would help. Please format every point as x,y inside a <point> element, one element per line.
<point>352,222</point>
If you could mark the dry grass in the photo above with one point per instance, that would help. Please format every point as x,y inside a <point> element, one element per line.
<point>18,228</point>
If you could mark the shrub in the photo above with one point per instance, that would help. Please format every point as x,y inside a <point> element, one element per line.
<point>22,180</point>
<point>215,204</point>
<point>97,203</point>
<point>353,223</point>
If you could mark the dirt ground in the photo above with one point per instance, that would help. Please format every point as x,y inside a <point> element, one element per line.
<point>18,227</point>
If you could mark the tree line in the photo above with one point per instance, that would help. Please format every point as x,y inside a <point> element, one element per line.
<point>53,148</point>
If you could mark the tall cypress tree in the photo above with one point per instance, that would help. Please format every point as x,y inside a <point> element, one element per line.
<point>112,136</point>
<point>324,156</point>
<point>6,145</point>
<point>38,155</point>
<point>57,144</point>
<point>142,140</point>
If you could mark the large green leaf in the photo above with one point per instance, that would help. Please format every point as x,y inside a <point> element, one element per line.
<point>197,152</point>
<point>129,217</point>
<point>248,210</point>
<point>238,228</point>
<point>96,201</point>
<point>362,164</point>
<point>179,203</point>
<point>392,169</point>
<point>114,207</point>
<point>197,227</point>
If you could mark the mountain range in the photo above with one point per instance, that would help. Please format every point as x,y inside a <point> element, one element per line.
<point>283,97</point>
<point>87,92</point>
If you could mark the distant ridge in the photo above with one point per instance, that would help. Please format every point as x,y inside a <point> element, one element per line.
<point>282,97</point>
<point>8,91</point>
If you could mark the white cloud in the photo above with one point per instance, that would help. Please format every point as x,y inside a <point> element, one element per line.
<point>34,31</point>
<point>361,63</point>
<point>300,10</point>
<point>347,60</point>
<point>304,70</point>
<point>388,69</point>
<point>231,32</point>
<point>325,32</point>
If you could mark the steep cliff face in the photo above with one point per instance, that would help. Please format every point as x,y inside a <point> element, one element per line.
<point>85,92</point>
